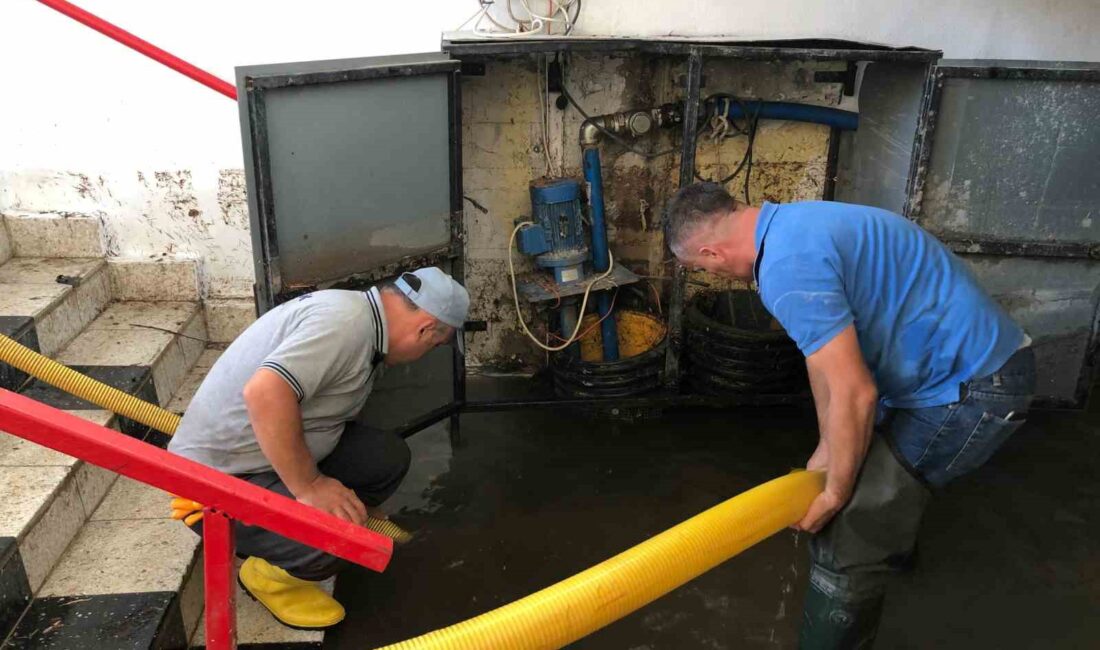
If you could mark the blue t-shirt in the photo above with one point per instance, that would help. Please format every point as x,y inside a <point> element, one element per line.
<point>924,324</point>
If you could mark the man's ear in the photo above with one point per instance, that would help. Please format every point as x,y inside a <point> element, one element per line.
<point>709,253</point>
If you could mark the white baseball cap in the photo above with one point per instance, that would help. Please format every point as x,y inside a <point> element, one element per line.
<point>438,294</point>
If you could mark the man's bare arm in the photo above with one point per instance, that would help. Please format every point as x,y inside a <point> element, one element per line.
<point>277,420</point>
<point>840,379</point>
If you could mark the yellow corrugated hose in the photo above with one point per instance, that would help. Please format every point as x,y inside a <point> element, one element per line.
<point>59,376</point>
<point>586,602</point>
<point>86,388</point>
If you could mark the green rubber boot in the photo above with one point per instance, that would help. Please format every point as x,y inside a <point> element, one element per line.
<point>833,624</point>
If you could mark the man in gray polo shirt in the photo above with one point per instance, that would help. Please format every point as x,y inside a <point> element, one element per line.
<point>279,408</point>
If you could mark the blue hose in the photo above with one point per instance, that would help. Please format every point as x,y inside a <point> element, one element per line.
<point>601,260</point>
<point>834,117</point>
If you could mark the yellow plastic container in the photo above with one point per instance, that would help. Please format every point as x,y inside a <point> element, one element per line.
<point>638,333</point>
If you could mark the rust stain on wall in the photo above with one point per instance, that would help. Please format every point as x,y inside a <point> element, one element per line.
<point>233,198</point>
<point>176,197</point>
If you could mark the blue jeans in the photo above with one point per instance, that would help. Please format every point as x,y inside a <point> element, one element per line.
<point>942,443</point>
<point>914,451</point>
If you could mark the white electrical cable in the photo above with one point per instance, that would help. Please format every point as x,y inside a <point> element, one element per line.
<point>533,24</point>
<point>584,301</point>
<point>546,19</point>
<point>544,102</point>
<point>544,131</point>
<point>483,14</point>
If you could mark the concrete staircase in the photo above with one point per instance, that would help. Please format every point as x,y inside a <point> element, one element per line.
<point>89,559</point>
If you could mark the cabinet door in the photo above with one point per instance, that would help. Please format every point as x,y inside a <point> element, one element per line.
<point>354,174</point>
<point>1008,175</point>
<point>353,168</point>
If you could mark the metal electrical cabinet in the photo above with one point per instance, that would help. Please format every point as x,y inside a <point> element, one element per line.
<point>354,171</point>
<point>354,167</point>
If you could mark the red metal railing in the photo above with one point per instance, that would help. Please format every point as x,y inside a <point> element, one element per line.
<point>143,46</point>
<point>226,499</point>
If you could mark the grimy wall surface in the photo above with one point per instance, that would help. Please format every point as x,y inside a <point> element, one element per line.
<point>502,154</point>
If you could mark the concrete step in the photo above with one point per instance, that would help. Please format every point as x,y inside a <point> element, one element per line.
<point>128,579</point>
<point>143,348</point>
<point>45,498</point>
<point>135,565</point>
<point>160,278</point>
<point>45,302</point>
<point>226,318</point>
<point>49,234</point>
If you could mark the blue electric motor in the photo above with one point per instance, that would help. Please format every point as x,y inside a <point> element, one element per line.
<point>557,240</point>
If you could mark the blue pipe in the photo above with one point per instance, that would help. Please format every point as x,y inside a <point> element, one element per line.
<point>834,117</point>
<point>601,259</point>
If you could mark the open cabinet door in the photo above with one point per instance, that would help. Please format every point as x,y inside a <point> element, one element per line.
<point>352,165</point>
<point>354,175</point>
<point>1008,175</point>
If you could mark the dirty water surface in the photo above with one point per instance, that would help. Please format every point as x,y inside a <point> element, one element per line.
<point>530,498</point>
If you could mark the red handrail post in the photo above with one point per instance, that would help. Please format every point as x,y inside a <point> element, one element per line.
<point>219,545</point>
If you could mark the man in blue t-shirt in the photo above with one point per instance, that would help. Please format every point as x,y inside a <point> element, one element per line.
<point>897,333</point>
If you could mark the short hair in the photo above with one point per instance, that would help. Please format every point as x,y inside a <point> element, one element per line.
<point>692,208</point>
<point>390,286</point>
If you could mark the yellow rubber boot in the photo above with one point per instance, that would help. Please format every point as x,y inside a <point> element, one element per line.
<point>296,603</point>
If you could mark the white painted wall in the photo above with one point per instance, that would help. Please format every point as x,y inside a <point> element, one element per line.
<point>963,29</point>
<point>87,125</point>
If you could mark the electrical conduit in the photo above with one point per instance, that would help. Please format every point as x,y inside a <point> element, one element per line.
<point>601,262</point>
<point>590,600</point>
<point>108,397</point>
<point>834,117</point>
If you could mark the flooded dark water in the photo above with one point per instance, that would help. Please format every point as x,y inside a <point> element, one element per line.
<point>1008,557</point>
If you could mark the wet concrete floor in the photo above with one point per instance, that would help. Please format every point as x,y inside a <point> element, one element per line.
<point>1008,557</point>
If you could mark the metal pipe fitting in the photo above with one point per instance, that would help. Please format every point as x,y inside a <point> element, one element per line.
<point>633,123</point>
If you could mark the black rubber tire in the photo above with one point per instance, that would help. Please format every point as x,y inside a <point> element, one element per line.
<point>750,357</point>
<point>632,376</point>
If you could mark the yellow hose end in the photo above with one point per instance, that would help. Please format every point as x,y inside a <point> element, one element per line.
<point>590,600</point>
<point>389,529</point>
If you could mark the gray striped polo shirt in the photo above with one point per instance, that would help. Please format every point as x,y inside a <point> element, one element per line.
<point>327,345</point>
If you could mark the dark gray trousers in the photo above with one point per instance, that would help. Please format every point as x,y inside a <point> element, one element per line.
<point>874,536</point>
<point>369,461</point>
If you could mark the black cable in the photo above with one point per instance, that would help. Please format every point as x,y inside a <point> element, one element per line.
<point>484,210</point>
<point>610,134</point>
<point>749,130</point>
<point>752,141</point>
<point>744,160</point>
<point>573,21</point>
<point>748,170</point>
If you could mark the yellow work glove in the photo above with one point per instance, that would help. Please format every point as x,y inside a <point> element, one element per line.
<point>187,510</point>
